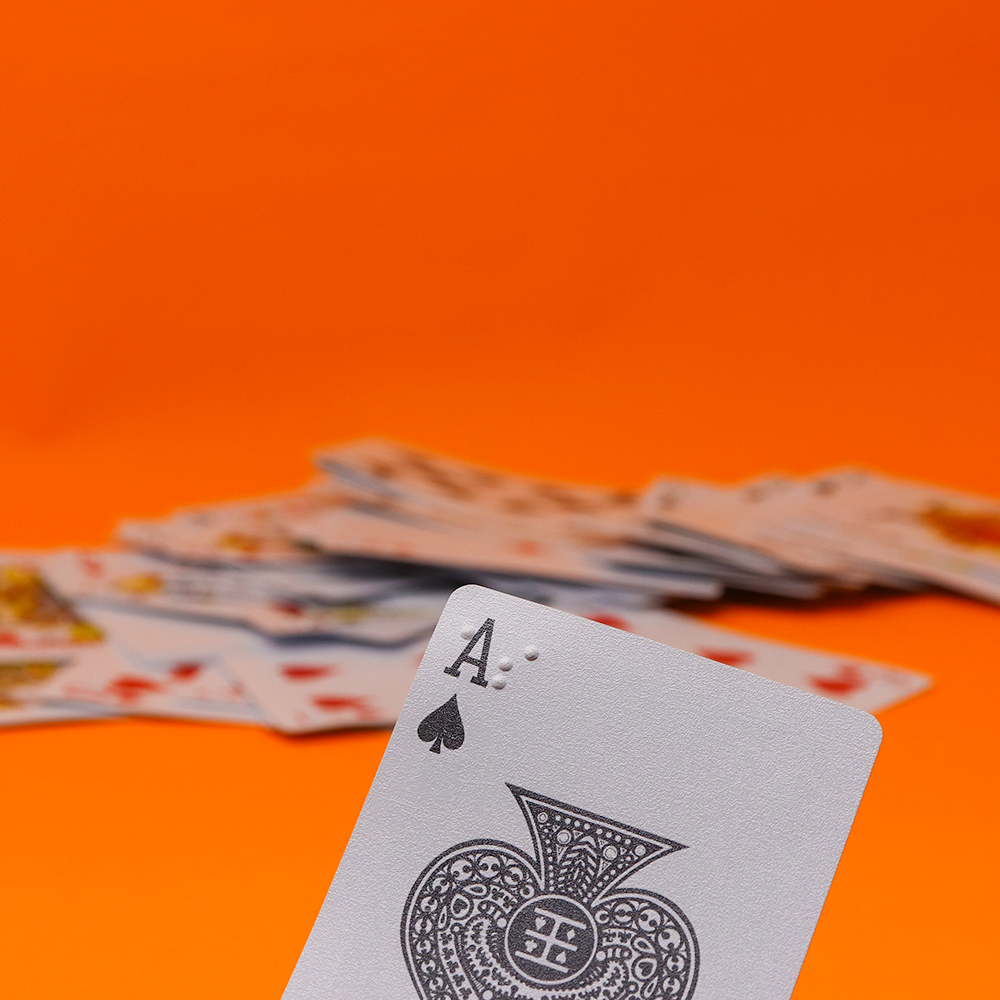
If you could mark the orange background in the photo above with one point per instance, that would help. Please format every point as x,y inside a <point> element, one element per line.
<point>590,241</point>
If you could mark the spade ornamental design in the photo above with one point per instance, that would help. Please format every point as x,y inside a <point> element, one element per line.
<point>487,922</point>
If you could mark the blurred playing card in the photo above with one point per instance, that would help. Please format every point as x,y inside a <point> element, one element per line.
<point>852,681</point>
<point>335,685</point>
<point>944,536</point>
<point>757,515</point>
<point>22,678</point>
<point>424,541</point>
<point>159,667</point>
<point>41,636</point>
<point>33,617</point>
<point>240,532</point>
<point>435,485</point>
<point>278,602</point>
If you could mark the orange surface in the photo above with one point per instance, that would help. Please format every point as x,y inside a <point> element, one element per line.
<point>593,241</point>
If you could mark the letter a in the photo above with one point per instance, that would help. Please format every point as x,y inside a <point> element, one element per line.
<point>485,633</point>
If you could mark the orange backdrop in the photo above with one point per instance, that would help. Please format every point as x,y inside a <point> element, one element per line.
<point>591,241</point>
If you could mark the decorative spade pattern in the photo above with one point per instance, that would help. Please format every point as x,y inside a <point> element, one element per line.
<point>487,922</point>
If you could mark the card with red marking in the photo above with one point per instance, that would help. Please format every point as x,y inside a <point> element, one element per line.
<point>159,667</point>
<point>309,688</point>
<point>851,680</point>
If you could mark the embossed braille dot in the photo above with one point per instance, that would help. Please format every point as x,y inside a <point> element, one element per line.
<point>499,681</point>
<point>531,652</point>
<point>505,663</point>
<point>468,631</point>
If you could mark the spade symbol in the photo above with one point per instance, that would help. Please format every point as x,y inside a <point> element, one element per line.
<point>443,725</point>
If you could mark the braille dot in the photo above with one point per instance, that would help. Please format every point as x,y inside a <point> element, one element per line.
<point>505,663</point>
<point>531,652</point>
<point>468,631</point>
<point>499,681</point>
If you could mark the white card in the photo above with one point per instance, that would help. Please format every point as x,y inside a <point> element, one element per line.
<point>850,680</point>
<point>606,817</point>
<point>280,602</point>
<point>304,689</point>
<point>155,666</point>
<point>23,678</point>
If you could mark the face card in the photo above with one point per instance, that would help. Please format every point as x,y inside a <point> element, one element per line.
<point>911,529</point>
<point>568,810</point>
<point>41,636</point>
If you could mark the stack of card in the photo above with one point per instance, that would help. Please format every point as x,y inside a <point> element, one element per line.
<point>310,610</point>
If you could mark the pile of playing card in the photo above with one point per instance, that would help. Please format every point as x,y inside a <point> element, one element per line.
<point>310,610</point>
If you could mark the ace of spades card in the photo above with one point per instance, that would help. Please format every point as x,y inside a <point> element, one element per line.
<point>569,811</point>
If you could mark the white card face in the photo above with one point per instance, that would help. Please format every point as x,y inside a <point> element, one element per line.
<point>850,680</point>
<point>155,666</point>
<point>568,810</point>
<point>23,677</point>
<point>331,686</point>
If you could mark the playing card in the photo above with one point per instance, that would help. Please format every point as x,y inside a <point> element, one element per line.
<point>158,667</point>
<point>361,533</point>
<point>944,536</point>
<point>310,688</point>
<point>365,608</point>
<point>568,810</point>
<point>33,618</point>
<point>444,487</point>
<point>245,531</point>
<point>777,516</point>
<point>41,635</point>
<point>850,680</point>
<point>23,677</point>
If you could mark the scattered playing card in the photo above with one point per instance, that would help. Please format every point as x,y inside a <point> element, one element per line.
<point>305,689</point>
<point>852,681</point>
<point>156,666</point>
<point>22,679</point>
<point>376,608</point>
<point>42,635</point>
<point>568,810</point>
